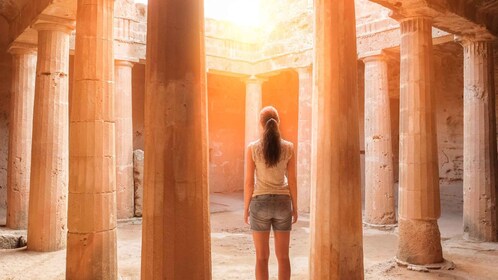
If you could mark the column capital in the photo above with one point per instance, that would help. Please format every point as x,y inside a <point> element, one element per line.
<point>120,62</point>
<point>374,56</point>
<point>17,48</point>
<point>66,26</point>
<point>304,70</point>
<point>481,36</point>
<point>254,80</point>
<point>412,12</point>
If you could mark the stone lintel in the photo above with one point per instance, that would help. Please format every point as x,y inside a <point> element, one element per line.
<point>451,16</point>
<point>21,48</point>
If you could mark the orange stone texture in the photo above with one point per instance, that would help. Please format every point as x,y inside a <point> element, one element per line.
<point>124,136</point>
<point>47,221</point>
<point>21,129</point>
<point>379,179</point>
<point>176,227</point>
<point>479,180</point>
<point>304,138</point>
<point>336,226</point>
<point>419,200</point>
<point>91,239</point>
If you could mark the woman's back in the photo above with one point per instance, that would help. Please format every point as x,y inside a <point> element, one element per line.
<point>271,180</point>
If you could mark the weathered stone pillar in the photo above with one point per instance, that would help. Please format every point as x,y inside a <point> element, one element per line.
<point>176,230</point>
<point>20,135</point>
<point>479,159</point>
<point>304,138</point>
<point>254,100</point>
<point>91,239</point>
<point>379,179</point>
<point>124,136</point>
<point>49,161</point>
<point>336,226</point>
<point>419,206</point>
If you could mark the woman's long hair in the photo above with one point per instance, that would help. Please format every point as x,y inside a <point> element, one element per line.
<point>271,137</point>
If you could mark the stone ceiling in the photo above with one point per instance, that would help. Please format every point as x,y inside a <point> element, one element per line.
<point>9,9</point>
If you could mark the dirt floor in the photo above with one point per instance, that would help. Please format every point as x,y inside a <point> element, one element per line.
<point>233,253</point>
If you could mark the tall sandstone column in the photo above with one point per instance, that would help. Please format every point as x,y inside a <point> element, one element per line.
<point>91,240</point>
<point>419,206</point>
<point>49,162</point>
<point>379,180</point>
<point>20,135</point>
<point>124,136</point>
<point>336,226</point>
<point>254,101</point>
<point>176,230</point>
<point>479,180</point>
<point>304,137</point>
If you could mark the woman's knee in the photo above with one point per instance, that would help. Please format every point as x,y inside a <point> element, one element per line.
<point>283,258</point>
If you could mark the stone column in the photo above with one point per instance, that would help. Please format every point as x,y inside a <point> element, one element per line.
<point>379,179</point>
<point>336,226</point>
<point>254,100</point>
<point>91,239</point>
<point>479,159</point>
<point>176,231</point>
<point>419,206</point>
<point>49,161</point>
<point>124,136</point>
<point>20,135</point>
<point>304,138</point>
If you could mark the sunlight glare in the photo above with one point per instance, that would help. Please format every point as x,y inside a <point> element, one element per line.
<point>239,12</point>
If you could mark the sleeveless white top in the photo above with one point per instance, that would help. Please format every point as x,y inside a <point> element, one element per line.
<point>271,180</point>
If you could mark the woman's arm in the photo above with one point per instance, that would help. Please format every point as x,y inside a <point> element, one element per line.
<point>248,182</point>
<point>292,180</point>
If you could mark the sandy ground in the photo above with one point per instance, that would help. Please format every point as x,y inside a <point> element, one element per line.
<point>233,253</point>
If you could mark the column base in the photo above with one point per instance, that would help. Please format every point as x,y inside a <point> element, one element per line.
<point>467,236</point>
<point>444,265</point>
<point>419,242</point>
<point>387,227</point>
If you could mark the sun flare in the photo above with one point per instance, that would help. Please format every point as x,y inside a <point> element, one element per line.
<point>239,12</point>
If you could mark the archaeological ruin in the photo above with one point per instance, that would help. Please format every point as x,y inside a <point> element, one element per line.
<point>124,123</point>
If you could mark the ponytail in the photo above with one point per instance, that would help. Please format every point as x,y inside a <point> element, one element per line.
<point>271,143</point>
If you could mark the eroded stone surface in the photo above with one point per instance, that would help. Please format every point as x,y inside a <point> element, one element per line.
<point>138,176</point>
<point>336,201</point>
<point>47,221</point>
<point>21,130</point>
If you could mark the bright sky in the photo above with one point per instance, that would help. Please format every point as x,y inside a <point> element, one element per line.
<point>243,12</point>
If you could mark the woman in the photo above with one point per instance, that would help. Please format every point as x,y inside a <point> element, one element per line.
<point>270,194</point>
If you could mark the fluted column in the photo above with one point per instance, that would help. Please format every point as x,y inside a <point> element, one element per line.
<point>479,159</point>
<point>419,205</point>
<point>176,230</point>
<point>379,180</point>
<point>124,136</point>
<point>254,97</point>
<point>336,226</point>
<point>20,135</point>
<point>91,239</point>
<point>49,162</point>
<point>304,138</point>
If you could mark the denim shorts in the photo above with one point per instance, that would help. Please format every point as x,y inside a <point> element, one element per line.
<point>271,210</point>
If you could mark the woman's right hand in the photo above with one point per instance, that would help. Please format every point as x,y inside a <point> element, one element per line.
<point>246,216</point>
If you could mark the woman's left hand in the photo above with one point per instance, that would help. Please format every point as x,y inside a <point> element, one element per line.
<point>294,216</point>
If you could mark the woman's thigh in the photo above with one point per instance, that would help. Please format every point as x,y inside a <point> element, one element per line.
<point>262,244</point>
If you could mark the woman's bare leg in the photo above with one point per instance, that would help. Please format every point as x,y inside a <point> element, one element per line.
<point>282,239</point>
<point>262,244</point>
